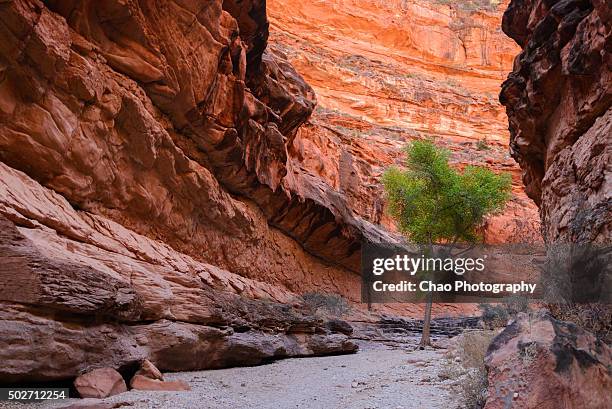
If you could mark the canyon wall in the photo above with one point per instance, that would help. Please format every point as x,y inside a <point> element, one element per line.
<point>559,103</point>
<point>168,180</point>
<point>145,197</point>
<point>387,72</point>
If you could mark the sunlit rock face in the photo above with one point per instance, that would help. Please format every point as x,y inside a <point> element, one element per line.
<point>558,98</point>
<point>155,116</point>
<point>164,181</point>
<point>387,72</point>
<point>145,198</point>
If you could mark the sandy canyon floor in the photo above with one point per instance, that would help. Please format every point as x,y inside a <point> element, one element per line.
<point>378,376</point>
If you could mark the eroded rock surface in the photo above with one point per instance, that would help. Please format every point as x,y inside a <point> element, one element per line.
<point>159,197</point>
<point>142,383</point>
<point>143,160</point>
<point>559,103</point>
<point>148,370</point>
<point>540,362</point>
<point>387,72</point>
<point>93,293</point>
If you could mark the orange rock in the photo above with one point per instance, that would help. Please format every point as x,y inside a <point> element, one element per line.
<point>122,159</point>
<point>387,72</point>
<point>100,383</point>
<point>148,370</point>
<point>164,180</point>
<point>143,383</point>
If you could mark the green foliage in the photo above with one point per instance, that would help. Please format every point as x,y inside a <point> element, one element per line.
<point>435,203</point>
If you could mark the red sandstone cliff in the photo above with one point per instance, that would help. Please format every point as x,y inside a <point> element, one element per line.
<point>559,103</point>
<point>387,72</point>
<point>144,198</point>
<point>161,183</point>
<point>558,98</point>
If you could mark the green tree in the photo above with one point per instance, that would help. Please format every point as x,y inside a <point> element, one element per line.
<point>433,203</point>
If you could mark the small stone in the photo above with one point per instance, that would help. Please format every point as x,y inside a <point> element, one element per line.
<point>142,383</point>
<point>149,370</point>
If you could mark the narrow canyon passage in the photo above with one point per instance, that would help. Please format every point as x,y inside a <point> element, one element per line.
<point>187,186</point>
<point>378,376</point>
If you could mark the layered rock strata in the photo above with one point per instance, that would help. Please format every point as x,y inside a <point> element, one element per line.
<point>143,162</point>
<point>558,99</point>
<point>388,72</point>
<point>80,291</point>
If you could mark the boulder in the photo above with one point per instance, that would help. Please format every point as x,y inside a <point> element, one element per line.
<point>341,326</point>
<point>100,383</point>
<point>142,383</point>
<point>539,362</point>
<point>148,370</point>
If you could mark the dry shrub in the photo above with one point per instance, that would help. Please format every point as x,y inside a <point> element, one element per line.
<point>326,304</point>
<point>595,318</point>
<point>482,145</point>
<point>473,392</point>
<point>466,365</point>
<point>515,304</point>
<point>528,353</point>
<point>451,370</point>
<point>473,387</point>
<point>575,278</point>
<point>471,5</point>
<point>473,348</point>
<point>494,315</point>
<point>497,315</point>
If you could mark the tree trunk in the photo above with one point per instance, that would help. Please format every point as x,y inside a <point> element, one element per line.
<point>425,338</point>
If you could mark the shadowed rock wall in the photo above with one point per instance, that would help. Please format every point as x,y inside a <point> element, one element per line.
<point>559,103</point>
